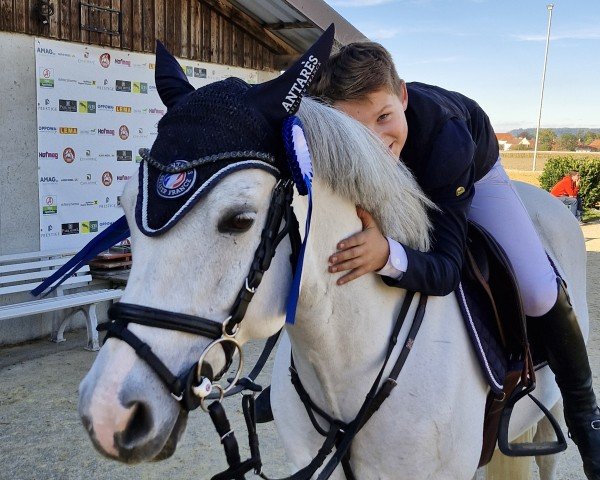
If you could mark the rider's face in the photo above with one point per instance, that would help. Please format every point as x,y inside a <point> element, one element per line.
<point>383,113</point>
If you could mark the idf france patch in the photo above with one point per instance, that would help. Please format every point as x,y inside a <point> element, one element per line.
<point>174,185</point>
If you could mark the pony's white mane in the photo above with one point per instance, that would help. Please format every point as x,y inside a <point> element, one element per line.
<point>354,162</point>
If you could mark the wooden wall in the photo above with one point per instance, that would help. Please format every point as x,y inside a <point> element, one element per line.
<point>205,30</point>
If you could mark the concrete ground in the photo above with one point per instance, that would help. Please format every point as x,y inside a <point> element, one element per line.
<point>41,436</point>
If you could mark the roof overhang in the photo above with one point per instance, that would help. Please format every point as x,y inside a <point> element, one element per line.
<point>294,23</point>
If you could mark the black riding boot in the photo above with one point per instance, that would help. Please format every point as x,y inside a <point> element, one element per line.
<point>567,357</point>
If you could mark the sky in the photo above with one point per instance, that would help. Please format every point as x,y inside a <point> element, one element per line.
<point>493,52</point>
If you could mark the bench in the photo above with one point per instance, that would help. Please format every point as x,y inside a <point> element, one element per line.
<point>22,272</point>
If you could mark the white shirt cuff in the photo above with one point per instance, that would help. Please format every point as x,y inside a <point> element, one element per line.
<point>397,261</point>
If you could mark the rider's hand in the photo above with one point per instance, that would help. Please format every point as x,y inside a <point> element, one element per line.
<point>361,253</point>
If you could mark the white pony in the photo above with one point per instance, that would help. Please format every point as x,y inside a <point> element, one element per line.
<point>431,425</point>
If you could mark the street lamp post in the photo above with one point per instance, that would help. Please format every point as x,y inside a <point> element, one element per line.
<point>537,132</point>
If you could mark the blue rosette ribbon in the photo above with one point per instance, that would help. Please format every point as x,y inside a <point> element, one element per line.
<point>300,164</point>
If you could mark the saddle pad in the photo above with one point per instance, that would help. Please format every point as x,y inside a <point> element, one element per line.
<point>479,319</point>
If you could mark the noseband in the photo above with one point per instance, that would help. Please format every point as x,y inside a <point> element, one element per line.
<point>195,384</point>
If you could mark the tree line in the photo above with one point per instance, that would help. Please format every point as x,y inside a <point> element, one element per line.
<point>565,140</point>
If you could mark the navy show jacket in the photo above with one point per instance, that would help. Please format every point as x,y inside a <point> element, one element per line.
<point>450,145</point>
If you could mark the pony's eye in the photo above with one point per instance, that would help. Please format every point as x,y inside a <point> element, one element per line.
<point>238,223</point>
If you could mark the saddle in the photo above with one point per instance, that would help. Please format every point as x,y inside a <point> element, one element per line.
<point>493,313</point>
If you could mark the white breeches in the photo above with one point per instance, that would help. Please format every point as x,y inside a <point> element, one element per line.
<point>498,208</point>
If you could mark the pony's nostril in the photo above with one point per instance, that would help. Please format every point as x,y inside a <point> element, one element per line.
<point>138,426</point>
<point>87,423</point>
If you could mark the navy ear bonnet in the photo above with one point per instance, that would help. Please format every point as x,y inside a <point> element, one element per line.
<point>210,132</point>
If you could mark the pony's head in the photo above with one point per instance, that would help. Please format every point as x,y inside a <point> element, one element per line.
<point>196,216</point>
<point>204,218</point>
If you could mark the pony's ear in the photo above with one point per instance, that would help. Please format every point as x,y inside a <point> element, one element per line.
<point>281,96</point>
<point>171,82</point>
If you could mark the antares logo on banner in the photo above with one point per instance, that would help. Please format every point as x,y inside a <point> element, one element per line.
<point>95,108</point>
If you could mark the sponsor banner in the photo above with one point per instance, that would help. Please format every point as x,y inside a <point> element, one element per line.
<point>96,107</point>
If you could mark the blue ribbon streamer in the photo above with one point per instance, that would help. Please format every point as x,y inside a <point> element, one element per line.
<point>112,235</point>
<point>300,164</point>
<point>292,303</point>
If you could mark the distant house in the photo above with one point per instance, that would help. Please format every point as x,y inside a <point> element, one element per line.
<point>527,143</point>
<point>506,140</point>
<point>595,145</point>
<point>582,147</point>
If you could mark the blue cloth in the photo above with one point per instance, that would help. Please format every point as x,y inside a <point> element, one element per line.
<point>112,235</point>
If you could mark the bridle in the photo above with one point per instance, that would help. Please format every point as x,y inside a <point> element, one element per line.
<point>195,384</point>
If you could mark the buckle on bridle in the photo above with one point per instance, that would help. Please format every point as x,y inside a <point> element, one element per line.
<point>248,288</point>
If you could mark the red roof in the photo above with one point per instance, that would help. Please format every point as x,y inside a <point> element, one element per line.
<point>507,137</point>
<point>595,144</point>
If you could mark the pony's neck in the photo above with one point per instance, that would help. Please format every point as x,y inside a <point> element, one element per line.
<point>358,315</point>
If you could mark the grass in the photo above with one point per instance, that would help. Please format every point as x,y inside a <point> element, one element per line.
<point>591,215</point>
<point>523,159</point>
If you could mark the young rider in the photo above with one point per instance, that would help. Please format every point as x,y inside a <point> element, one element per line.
<point>447,141</point>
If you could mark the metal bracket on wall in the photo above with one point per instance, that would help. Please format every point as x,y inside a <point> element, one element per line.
<point>96,18</point>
